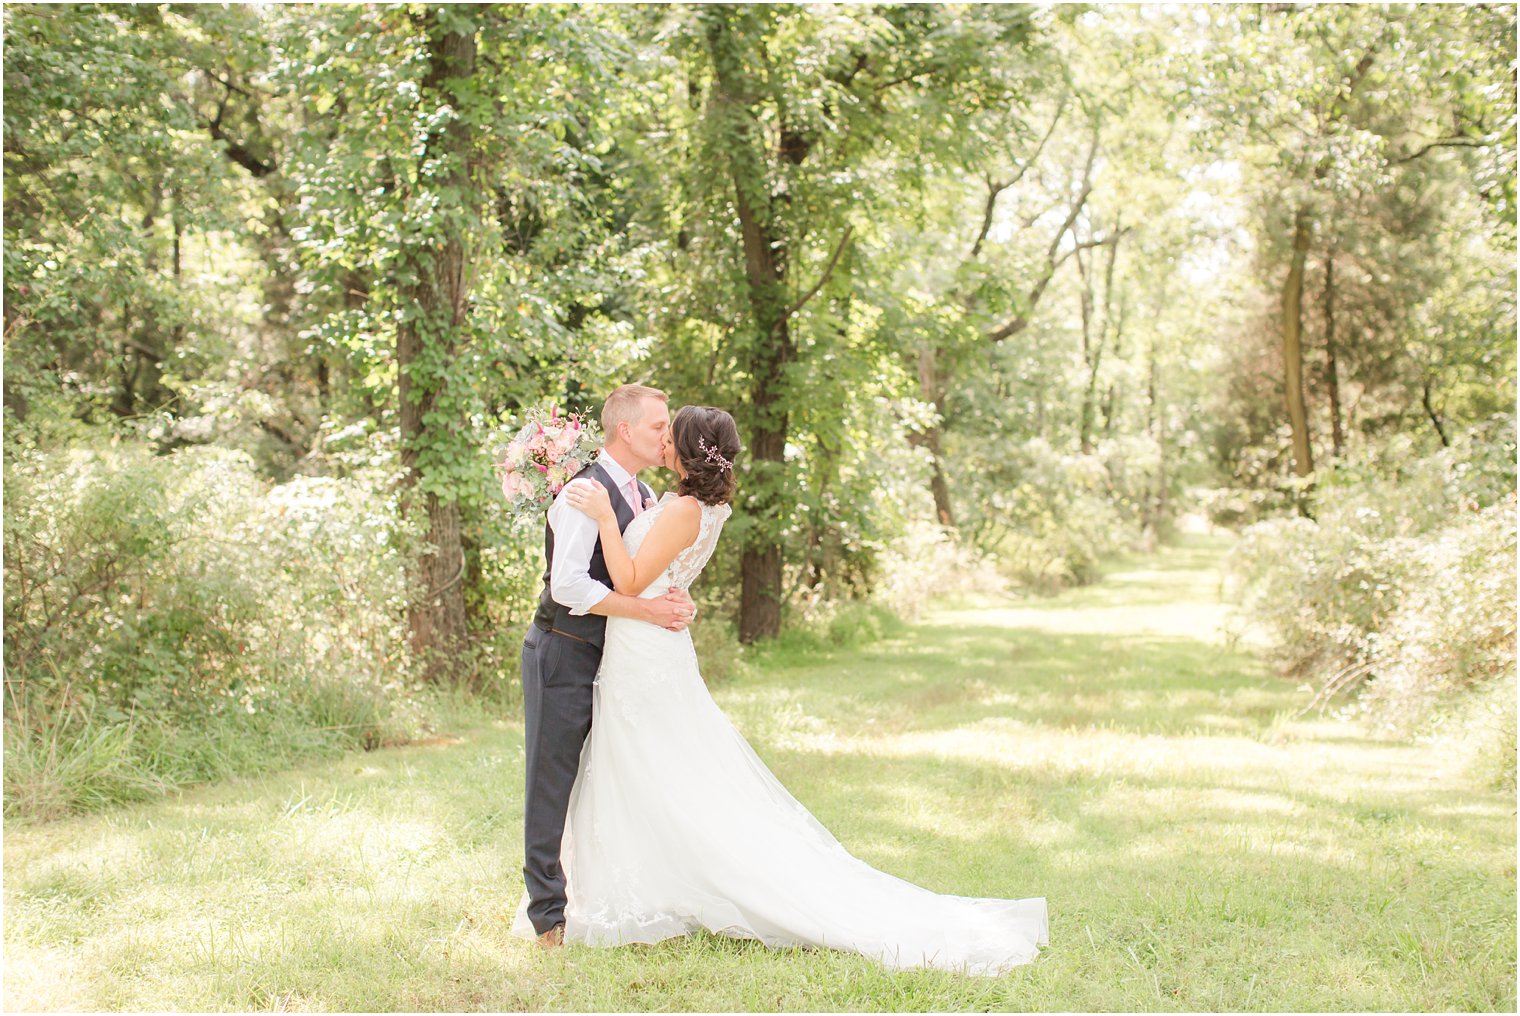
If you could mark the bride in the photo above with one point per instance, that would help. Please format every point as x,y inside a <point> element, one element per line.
<point>676,825</point>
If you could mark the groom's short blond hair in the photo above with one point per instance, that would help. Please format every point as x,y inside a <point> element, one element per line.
<point>622,406</point>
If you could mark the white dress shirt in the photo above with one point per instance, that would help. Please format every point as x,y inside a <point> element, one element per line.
<point>575,536</point>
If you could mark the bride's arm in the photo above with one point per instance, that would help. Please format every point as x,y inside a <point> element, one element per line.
<point>674,531</point>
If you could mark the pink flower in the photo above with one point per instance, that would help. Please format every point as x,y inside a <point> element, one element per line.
<point>549,442</point>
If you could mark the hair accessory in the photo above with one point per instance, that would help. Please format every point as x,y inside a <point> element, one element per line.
<point>713,455</point>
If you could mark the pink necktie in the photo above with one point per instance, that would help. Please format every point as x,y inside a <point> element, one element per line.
<point>634,499</point>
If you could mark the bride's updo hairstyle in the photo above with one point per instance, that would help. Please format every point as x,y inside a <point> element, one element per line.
<point>707,442</point>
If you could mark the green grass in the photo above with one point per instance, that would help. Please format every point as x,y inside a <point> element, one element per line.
<point>1199,848</point>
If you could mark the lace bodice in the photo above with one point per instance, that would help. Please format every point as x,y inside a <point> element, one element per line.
<point>688,564</point>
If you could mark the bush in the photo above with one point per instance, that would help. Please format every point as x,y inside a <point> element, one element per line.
<point>1234,507</point>
<point>1051,518</point>
<point>1453,626</point>
<point>1401,591</point>
<point>925,562</point>
<point>1482,726</point>
<point>170,619</point>
<point>833,625</point>
<point>860,624</point>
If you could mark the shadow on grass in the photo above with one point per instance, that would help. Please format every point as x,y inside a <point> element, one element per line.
<point>935,678</point>
<point>1177,875</point>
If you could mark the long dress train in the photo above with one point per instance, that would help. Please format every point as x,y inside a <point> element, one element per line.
<point>675,824</point>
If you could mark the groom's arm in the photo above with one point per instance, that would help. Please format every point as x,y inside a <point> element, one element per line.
<point>570,581</point>
<point>673,611</point>
<point>571,584</point>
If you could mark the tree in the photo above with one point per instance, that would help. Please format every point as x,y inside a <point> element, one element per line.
<point>432,288</point>
<point>794,105</point>
<point>113,169</point>
<point>1341,143</point>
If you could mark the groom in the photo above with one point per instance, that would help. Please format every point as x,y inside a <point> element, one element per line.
<point>563,647</point>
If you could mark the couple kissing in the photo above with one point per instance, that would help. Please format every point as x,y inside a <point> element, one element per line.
<point>647,814</point>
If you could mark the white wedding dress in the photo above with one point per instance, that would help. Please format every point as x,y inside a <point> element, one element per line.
<point>676,825</point>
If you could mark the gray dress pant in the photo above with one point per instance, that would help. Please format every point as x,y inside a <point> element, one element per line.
<point>557,674</point>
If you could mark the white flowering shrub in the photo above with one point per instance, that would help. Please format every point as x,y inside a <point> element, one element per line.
<point>210,622</point>
<point>1401,592</point>
<point>1453,625</point>
<point>1049,517</point>
<point>925,562</point>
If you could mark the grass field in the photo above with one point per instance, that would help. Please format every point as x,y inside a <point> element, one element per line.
<point>1199,848</point>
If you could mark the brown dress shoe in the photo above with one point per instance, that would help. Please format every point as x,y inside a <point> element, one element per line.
<point>553,938</point>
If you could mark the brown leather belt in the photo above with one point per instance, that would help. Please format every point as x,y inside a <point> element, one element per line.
<point>568,635</point>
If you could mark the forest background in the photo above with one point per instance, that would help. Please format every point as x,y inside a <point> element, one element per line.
<point>996,293</point>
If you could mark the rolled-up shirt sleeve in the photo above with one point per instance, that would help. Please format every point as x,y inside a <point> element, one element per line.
<point>570,581</point>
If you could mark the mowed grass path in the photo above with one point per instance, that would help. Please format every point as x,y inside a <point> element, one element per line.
<point>1107,749</point>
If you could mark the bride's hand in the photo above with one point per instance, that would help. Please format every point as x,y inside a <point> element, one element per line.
<point>589,497</point>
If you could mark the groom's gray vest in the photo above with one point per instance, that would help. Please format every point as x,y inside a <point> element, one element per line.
<point>551,614</point>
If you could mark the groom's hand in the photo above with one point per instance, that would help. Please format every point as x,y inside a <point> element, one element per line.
<point>673,611</point>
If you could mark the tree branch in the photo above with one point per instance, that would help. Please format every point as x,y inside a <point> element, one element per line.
<point>827,271</point>
<point>994,188</point>
<point>147,351</point>
<point>236,151</point>
<point>1457,142</point>
<point>903,79</point>
<point>1020,321</point>
<point>1101,241</point>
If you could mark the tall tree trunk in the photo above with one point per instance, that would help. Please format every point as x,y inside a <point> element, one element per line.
<point>1095,337</point>
<point>939,483</point>
<point>124,403</point>
<point>1115,319</point>
<point>432,284</point>
<point>765,270</point>
<point>1092,356</point>
<point>1332,368</point>
<point>1293,353</point>
<point>1155,420</point>
<point>142,345</point>
<point>931,383</point>
<point>760,563</point>
<point>1155,426</point>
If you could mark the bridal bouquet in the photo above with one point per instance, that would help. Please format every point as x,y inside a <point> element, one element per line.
<point>547,451</point>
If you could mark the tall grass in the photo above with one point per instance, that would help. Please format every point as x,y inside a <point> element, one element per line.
<point>176,619</point>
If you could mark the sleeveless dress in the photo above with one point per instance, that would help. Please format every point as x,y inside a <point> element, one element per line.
<point>675,824</point>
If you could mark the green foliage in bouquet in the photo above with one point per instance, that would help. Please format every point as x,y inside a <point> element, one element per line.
<point>540,458</point>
